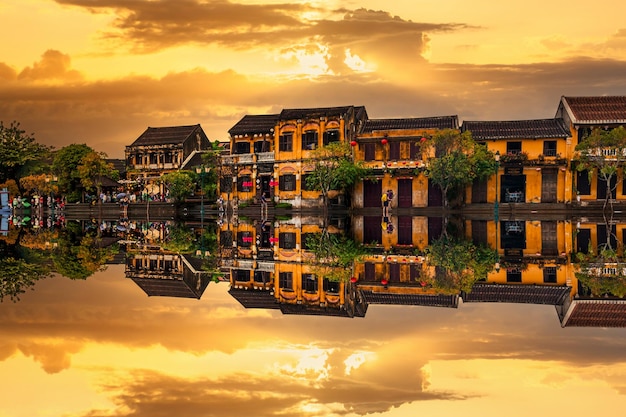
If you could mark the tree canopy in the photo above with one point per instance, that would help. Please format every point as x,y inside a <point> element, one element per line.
<point>180,184</point>
<point>605,152</point>
<point>457,161</point>
<point>16,150</point>
<point>65,166</point>
<point>92,170</point>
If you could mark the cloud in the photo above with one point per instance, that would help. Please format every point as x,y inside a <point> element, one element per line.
<point>6,72</point>
<point>53,65</point>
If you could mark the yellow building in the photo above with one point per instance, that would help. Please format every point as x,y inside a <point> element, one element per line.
<point>533,161</point>
<point>582,115</point>
<point>391,147</point>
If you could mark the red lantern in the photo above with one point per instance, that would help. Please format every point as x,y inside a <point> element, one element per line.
<point>384,282</point>
<point>384,141</point>
<point>353,280</point>
<point>353,143</point>
<point>423,140</point>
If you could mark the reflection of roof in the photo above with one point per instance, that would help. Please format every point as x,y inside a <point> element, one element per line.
<point>254,298</point>
<point>596,313</point>
<point>312,310</point>
<point>251,124</point>
<point>166,287</point>
<point>520,293</point>
<point>443,122</point>
<point>610,109</point>
<point>166,135</point>
<point>514,129</point>
<point>427,300</point>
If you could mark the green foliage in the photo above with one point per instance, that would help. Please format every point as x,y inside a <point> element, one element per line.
<point>459,263</point>
<point>92,170</point>
<point>458,162</point>
<point>334,169</point>
<point>334,255</point>
<point>604,152</point>
<point>180,184</point>
<point>181,239</point>
<point>604,284</point>
<point>65,166</point>
<point>17,149</point>
<point>17,275</point>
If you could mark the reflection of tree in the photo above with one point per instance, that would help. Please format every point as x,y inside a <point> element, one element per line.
<point>459,263</point>
<point>604,273</point>
<point>181,239</point>
<point>78,256</point>
<point>17,275</point>
<point>334,255</point>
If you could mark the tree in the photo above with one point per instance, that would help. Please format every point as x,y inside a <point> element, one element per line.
<point>93,169</point>
<point>334,255</point>
<point>604,152</point>
<point>16,150</point>
<point>180,184</point>
<point>65,166</point>
<point>458,160</point>
<point>334,169</point>
<point>17,275</point>
<point>459,263</point>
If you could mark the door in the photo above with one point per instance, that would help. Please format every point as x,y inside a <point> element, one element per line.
<point>372,230</point>
<point>405,192</point>
<point>435,198</point>
<point>548,185</point>
<point>435,228</point>
<point>372,190</point>
<point>602,188</point>
<point>548,239</point>
<point>479,191</point>
<point>405,230</point>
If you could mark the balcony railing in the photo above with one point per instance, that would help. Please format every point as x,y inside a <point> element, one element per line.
<point>265,157</point>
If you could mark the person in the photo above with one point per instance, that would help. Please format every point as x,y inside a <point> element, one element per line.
<point>220,203</point>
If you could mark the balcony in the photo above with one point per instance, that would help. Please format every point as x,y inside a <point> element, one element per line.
<point>265,157</point>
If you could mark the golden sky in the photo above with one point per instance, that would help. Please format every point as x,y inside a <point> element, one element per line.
<point>102,348</point>
<point>101,71</point>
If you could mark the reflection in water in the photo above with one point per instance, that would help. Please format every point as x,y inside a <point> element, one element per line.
<point>339,266</point>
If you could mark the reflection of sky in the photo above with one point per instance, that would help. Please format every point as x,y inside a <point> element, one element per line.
<point>101,347</point>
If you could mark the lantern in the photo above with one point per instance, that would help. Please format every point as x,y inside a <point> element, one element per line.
<point>423,140</point>
<point>384,282</point>
<point>353,280</point>
<point>384,141</point>
<point>353,143</point>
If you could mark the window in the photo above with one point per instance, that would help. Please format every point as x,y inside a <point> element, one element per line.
<point>549,148</point>
<point>244,183</point>
<point>287,240</point>
<point>309,283</point>
<point>261,146</point>
<point>306,237</point>
<point>154,158</point>
<point>168,158</point>
<point>549,274</point>
<point>261,276</point>
<point>331,136</point>
<point>370,151</point>
<point>244,239</point>
<point>285,142</point>
<point>304,184</point>
<point>242,275</point>
<point>287,182</point>
<point>513,275</point>
<point>309,140</point>
<point>415,151</point>
<point>513,148</point>
<point>285,280</point>
<point>242,147</point>
<point>394,151</point>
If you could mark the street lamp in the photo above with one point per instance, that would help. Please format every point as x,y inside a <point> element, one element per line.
<point>202,170</point>
<point>496,211</point>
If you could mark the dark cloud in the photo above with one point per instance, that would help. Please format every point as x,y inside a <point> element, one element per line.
<point>6,72</point>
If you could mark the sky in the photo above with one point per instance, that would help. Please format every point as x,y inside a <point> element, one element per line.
<point>101,348</point>
<point>101,71</point>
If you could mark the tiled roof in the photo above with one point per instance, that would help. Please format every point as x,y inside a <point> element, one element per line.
<point>166,135</point>
<point>166,287</point>
<point>515,129</point>
<point>596,313</point>
<point>428,300</point>
<point>315,113</point>
<point>312,310</point>
<point>254,298</point>
<point>520,293</point>
<point>443,122</point>
<point>607,109</point>
<point>251,124</point>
